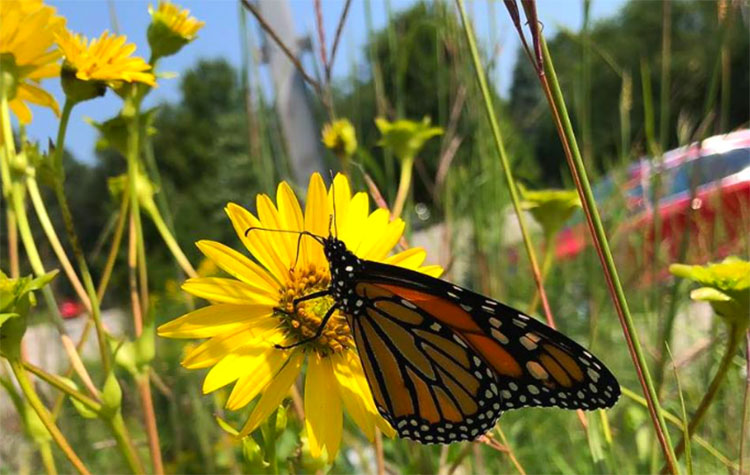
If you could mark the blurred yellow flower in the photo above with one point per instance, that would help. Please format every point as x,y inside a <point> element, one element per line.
<point>27,54</point>
<point>339,137</point>
<point>176,19</point>
<point>243,322</point>
<point>106,59</point>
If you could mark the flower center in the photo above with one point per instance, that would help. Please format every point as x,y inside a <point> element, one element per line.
<point>303,322</point>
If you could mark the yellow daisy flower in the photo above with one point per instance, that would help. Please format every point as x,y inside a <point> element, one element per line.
<point>243,322</point>
<point>106,59</point>
<point>171,28</point>
<point>27,51</point>
<point>176,19</point>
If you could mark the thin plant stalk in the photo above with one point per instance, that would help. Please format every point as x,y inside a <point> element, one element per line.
<point>688,446</point>
<point>280,43</point>
<point>59,384</point>
<point>500,147</point>
<point>17,192</point>
<point>745,403</point>
<point>31,396</point>
<point>666,64</point>
<point>404,185</point>
<point>88,282</point>
<point>10,214</point>
<point>379,458</point>
<point>113,251</point>
<point>723,459</point>
<point>48,460</point>
<point>565,130</point>
<point>41,211</point>
<point>171,242</point>
<point>735,337</point>
<point>136,236</point>
<point>510,453</point>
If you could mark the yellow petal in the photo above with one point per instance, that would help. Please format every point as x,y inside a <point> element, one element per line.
<point>249,361</point>
<point>410,258</point>
<point>270,219</point>
<point>252,383</point>
<point>218,289</point>
<point>261,334</point>
<point>213,320</point>
<point>323,417</point>
<point>352,397</point>
<point>374,228</point>
<point>238,266</point>
<point>275,392</point>
<point>36,95</point>
<point>432,270</point>
<point>21,110</point>
<point>382,246</point>
<point>290,215</point>
<point>339,204</point>
<point>259,243</point>
<point>353,229</point>
<point>316,218</point>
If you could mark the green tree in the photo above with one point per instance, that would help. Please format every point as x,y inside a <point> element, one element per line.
<point>632,36</point>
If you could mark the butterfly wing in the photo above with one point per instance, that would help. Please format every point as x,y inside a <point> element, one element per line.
<point>425,380</point>
<point>533,364</point>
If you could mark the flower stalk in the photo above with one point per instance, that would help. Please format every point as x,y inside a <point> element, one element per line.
<point>551,87</point>
<point>62,200</point>
<point>500,148</point>
<point>33,398</point>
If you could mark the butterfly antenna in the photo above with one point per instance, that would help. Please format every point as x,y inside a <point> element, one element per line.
<point>318,238</point>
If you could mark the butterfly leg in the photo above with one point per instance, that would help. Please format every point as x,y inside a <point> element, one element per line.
<point>314,295</point>
<point>318,332</point>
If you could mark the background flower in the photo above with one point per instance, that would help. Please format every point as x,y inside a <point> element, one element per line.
<point>107,59</point>
<point>27,54</point>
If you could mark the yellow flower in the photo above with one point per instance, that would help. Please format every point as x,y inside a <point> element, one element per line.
<point>27,51</point>
<point>243,322</point>
<point>106,59</point>
<point>339,137</point>
<point>176,20</point>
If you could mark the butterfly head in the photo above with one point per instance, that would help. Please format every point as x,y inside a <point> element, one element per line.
<point>344,266</point>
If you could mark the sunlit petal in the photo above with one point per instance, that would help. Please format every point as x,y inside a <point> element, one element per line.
<point>219,289</point>
<point>323,419</point>
<point>239,266</point>
<point>275,393</point>
<point>213,320</point>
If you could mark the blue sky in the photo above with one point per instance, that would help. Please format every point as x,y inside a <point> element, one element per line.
<point>220,38</point>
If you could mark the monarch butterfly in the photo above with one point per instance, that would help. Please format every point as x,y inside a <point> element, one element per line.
<point>443,362</point>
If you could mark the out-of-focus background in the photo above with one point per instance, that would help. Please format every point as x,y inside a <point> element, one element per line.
<point>223,132</point>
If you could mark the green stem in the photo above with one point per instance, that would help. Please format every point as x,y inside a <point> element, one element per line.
<point>54,240</point>
<point>47,459</point>
<point>113,251</point>
<point>134,138</point>
<point>573,156</point>
<point>67,215</point>
<point>500,147</point>
<point>170,241</point>
<point>120,432</point>
<point>59,384</point>
<point>549,257</point>
<point>678,423</point>
<point>404,184</point>
<point>735,338</point>
<point>44,415</point>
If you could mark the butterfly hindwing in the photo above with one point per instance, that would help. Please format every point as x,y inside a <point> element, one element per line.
<point>425,380</point>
